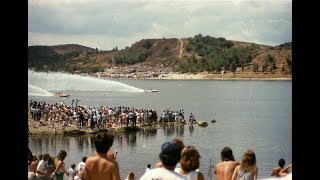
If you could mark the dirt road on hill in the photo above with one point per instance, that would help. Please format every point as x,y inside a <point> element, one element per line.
<point>180,55</point>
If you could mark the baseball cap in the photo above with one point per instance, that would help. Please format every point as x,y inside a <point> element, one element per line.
<point>170,154</point>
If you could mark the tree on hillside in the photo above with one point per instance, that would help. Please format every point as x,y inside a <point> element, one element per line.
<point>189,47</point>
<point>233,67</point>
<point>283,68</point>
<point>270,58</point>
<point>289,63</point>
<point>273,65</point>
<point>255,67</point>
<point>264,67</point>
<point>109,59</point>
<point>147,44</point>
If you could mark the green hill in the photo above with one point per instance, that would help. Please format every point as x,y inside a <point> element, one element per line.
<point>187,55</point>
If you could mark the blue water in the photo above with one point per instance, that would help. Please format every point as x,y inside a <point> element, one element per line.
<point>249,114</point>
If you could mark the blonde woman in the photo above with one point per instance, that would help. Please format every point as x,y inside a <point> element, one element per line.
<point>130,176</point>
<point>248,169</point>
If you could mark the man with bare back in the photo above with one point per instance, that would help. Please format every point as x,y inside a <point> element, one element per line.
<point>224,169</point>
<point>100,166</point>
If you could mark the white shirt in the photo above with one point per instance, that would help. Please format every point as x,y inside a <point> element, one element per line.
<point>80,166</point>
<point>192,175</point>
<point>161,174</point>
<point>148,169</point>
<point>42,167</point>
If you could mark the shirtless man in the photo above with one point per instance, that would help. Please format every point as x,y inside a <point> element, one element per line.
<point>276,170</point>
<point>32,167</point>
<point>224,169</point>
<point>100,166</point>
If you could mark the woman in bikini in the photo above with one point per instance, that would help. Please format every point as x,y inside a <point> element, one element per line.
<point>58,173</point>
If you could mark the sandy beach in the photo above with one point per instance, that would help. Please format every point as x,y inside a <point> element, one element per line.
<point>226,76</point>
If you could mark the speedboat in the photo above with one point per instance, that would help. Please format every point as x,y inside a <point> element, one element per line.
<point>150,90</point>
<point>61,95</point>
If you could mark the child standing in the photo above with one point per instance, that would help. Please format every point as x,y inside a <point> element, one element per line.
<point>72,172</point>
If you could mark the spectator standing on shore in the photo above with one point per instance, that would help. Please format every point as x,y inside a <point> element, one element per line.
<point>72,172</point>
<point>131,176</point>
<point>225,167</point>
<point>51,166</point>
<point>276,170</point>
<point>81,165</point>
<point>32,167</point>
<point>148,168</point>
<point>58,173</point>
<point>169,156</point>
<point>286,171</point>
<point>42,167</point>
<point>248,169</point>
<point>190,162</point>
<point>100,166</point>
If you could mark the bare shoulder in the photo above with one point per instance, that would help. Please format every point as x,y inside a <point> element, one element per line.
<point>235,163</point>
<point>237,167</point>
<point>218,165</point>
<point>158,165</point>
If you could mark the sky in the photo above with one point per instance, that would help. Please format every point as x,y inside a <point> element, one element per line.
<point>105,24</point>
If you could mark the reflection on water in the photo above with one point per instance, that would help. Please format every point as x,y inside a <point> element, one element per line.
<point>85,142</point>
<point>173,129</point>
<point>78,146</point>
<point>191,129</point>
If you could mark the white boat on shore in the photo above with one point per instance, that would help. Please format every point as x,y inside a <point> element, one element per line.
<point>150,90</point>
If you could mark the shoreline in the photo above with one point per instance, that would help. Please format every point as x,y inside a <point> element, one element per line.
<point>210,76</point>
<point>34,129</point>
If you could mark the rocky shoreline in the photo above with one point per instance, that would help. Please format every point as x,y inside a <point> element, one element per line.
<point>203,76</point>
<point>34,129</point>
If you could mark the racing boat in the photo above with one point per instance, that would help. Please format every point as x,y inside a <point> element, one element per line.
<point>150,90</point>
<point>61,94</point>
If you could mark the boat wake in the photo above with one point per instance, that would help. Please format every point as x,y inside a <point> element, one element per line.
<point>43,83</point>
<point>36,91</point>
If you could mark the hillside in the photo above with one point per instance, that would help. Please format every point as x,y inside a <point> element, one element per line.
<point>40,57</point>
<point>153,57</point>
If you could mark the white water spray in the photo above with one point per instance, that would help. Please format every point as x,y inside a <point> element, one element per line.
<point>36,91</point>
<point>59,82</point>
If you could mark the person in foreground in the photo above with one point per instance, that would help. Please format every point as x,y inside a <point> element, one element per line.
<point>247,170</point>
<point>169,156</point>
<point>100,166</point>
<point>224,169</point>
<point>286,171</point>
<point>190,162</point>
<point>58,173</point>
<point>276,170</point>
<point>180,144</point>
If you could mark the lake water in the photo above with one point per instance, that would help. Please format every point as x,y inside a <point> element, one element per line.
<point>249,114</point>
